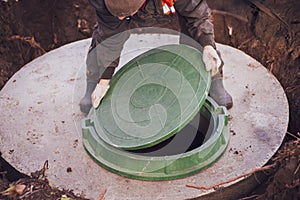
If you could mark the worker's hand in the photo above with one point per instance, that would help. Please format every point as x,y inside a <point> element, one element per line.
<point>99,92</point>
<point>211,59</point>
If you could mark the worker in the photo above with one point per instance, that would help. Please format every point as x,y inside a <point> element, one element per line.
<point>115,17</point>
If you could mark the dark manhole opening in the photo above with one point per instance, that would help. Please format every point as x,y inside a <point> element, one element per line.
<point>189,138</point>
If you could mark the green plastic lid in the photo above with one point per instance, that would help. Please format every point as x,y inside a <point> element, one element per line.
<point>152,97</point>
<point>172,160</point>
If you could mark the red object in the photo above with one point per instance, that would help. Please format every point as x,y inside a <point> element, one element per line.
<point>170,3</point>
<point>144,5</point>
<point>168,6</point>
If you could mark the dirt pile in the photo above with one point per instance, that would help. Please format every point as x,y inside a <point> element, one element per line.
<point>31,28</point>
<point>270,33</point>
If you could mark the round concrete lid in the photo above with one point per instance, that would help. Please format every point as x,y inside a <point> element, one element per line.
<point>152,97</point>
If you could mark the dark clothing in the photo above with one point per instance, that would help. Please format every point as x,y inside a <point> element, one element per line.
<point>193,17</point>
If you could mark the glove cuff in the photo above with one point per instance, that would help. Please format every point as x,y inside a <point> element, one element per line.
<point>207,39</point>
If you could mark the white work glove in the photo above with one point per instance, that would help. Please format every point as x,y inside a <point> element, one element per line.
<point>211,59</point>
<point>98,94</point>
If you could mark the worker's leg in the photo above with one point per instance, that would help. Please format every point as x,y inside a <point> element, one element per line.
<point>217,90</point>
<point>102,59</point>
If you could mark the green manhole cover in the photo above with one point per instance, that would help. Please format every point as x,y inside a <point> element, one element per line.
<point>174,158</point>
<point>152,97</point>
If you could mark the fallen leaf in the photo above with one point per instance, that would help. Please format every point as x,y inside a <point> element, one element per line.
<point>19,188</point>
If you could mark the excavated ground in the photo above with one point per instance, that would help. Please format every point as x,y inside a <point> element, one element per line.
<point>267,30</point>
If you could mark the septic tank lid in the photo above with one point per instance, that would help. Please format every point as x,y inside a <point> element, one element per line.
<point>152,97</point>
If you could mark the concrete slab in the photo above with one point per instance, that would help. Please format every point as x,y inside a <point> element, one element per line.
<point>40,120</point>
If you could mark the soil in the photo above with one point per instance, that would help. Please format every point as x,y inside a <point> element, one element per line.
<point>268,30</point>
